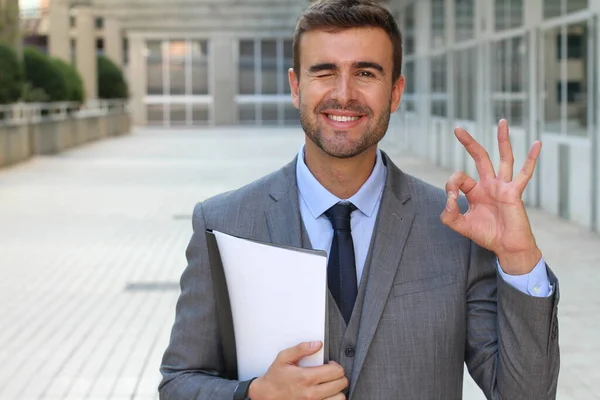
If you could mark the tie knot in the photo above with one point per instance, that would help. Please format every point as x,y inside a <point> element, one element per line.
<point>339,215</point>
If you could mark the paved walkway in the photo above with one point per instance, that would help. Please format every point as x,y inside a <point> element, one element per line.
<point>92,246</point>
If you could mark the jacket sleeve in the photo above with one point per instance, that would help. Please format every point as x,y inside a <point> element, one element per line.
<point>193,362</point>
<point>512,347</point>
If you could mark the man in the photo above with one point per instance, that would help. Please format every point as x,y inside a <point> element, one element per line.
<point>416,288</point>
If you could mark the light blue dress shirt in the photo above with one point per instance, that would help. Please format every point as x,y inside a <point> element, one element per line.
<point>314,200</point>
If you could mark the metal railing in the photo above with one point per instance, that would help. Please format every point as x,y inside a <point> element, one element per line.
<point>28,113</point>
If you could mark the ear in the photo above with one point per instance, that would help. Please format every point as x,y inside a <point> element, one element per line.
<point>397,91</point>
<point>294,87</point>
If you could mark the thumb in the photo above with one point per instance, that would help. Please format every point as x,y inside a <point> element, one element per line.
<point>294,354</point>
<point>452,217</point>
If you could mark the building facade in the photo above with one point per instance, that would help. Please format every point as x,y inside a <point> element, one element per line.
<point>216,62</point>
<point>534,62</point>
<point>467,63</point>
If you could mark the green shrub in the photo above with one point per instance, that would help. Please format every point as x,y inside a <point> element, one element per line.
<point>32,94</point>
<point>44,74</point>
<point>75,90</point>
<point>111,82</point>
<point>11,75</point>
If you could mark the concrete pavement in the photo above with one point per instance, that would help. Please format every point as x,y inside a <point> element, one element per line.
<point>92,245</point>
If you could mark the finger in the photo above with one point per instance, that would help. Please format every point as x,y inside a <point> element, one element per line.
<point>484,165</point>
<point>507,160</point>
<point>294,354</point>
<point>330,389</point>
<point>452,217</point>
<point>339,396</point>
<point>526,172</point>
<point>459,181</point>
<point>324,373</point>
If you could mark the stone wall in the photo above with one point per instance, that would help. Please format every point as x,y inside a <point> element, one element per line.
<point>20,142</point>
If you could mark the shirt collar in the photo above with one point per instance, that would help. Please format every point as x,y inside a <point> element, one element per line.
<point>318,199</point>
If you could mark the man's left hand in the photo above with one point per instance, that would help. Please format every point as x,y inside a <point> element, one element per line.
<point>497,219</point>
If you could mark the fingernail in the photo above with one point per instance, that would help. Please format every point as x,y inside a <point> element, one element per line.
<point>452,195</point>
<point>450,204</point>
<point>314,345</point>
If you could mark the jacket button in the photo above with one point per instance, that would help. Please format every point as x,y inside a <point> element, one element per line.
<point>349,352</point>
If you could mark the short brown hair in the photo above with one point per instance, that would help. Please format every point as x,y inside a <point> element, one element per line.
<point>335,15</point>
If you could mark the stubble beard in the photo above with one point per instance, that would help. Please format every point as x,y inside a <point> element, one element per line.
<point>339,146</point>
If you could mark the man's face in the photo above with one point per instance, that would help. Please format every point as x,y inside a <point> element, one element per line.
<point>344,90</point>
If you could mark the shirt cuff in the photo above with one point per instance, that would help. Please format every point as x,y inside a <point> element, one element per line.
<point>536,283</point>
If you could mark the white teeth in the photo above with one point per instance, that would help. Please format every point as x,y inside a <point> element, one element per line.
<point>340,118</point>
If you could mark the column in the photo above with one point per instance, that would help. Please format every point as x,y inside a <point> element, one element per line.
<point>58,30</point>
<point>137,78</point>
<point>86,51</point>
<point>533,17</point>
<point>595,6</point>
<point>224,88</point>
<point>423,76</point>
<point>113,41</point>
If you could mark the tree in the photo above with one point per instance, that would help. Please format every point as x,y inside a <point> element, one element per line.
<point>111,82</point>
<point>11,75</point>
<point>42,73</point>
<point>75,89</point>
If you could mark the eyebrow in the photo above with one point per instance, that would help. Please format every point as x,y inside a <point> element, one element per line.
<point>357,65</point>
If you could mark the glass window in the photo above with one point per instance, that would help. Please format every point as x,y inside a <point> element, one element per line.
<point>288,62</point>
<point>269,114</point>
<point>125,51</point>
<point>556,8</point>
<point>409,29</point>
<point>508,14</point>
<point>199,50</point>
<point>510,65</point>
<point>176,64</point>
<point>464,20</point>
<point>268,66</point>
<point>270,70</point>
<point>154,68</point>
<point>247,113</point>
<point>576,5</point>
<point>509,69</point>
<point>291,114</point>
<point>409,74</point>
<point>438,23</point>
<point>438,86</point>
<point>410,86</point>
<point>552,78</point>
<point>575,48</point>
<point>154,114</point>
<point>566,79</point>
<point>200,114</point>
<point>465,70</point>
<point>178,114</point>
<point>246,67</point>
<point>99,46</point>
<point>575,83</point>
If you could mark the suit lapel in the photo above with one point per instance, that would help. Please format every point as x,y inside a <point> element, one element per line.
<point>283,212</point>
<point>394,221</point>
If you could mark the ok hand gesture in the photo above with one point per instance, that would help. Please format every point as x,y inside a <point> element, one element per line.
<point>497,219</point>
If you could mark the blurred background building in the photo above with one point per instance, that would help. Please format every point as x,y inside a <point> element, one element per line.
<point>467,62</point>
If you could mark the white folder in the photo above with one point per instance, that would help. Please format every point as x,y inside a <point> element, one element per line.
<point>269,297</point>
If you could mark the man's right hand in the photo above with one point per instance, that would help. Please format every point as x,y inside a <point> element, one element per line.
<point>286,380</point>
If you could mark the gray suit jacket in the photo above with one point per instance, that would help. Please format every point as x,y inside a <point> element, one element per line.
<point>430,300</point>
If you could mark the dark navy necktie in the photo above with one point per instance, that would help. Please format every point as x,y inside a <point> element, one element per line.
<point>341,268</point>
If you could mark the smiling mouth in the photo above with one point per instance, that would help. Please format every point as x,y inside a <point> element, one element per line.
<point>340,118</point>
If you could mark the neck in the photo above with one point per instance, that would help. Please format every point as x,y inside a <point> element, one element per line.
<point>342,177</point>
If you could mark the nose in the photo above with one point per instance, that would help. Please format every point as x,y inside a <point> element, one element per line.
<point>344,91</point>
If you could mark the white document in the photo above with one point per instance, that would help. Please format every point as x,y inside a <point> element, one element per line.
<point>278,299</point>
